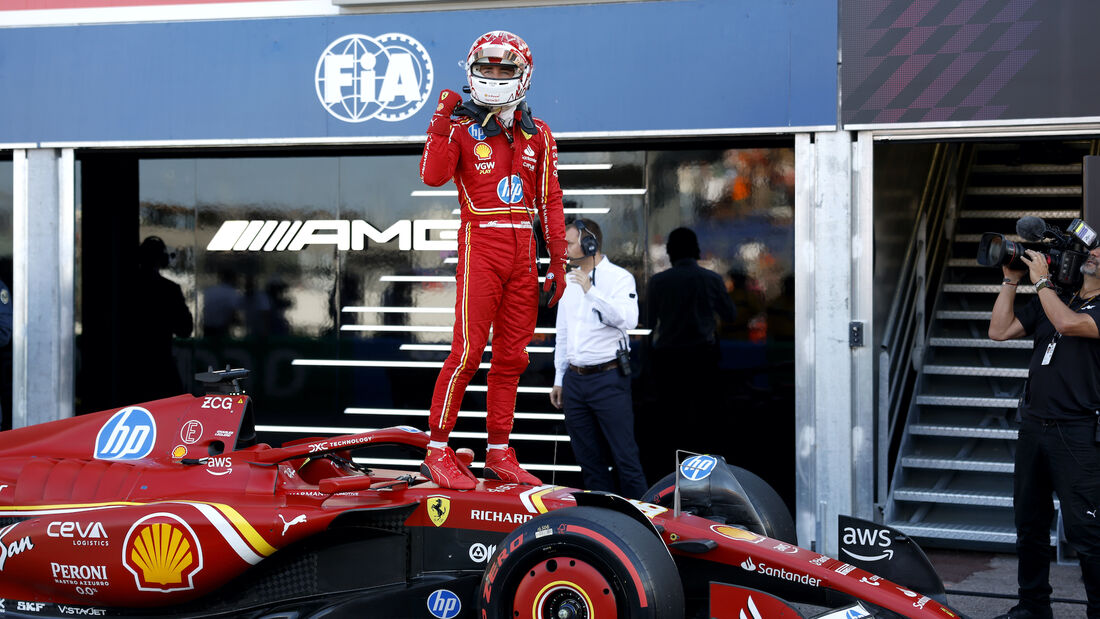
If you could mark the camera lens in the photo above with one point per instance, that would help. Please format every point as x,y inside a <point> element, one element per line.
<point>996,250</point>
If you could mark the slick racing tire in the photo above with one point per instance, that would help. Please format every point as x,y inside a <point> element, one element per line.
<point>773,512</point>
<point>581,563</point>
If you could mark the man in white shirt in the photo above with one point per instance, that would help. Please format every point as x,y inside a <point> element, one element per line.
<point>592,380</point>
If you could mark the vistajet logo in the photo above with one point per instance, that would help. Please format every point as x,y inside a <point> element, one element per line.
<point>353,235</point>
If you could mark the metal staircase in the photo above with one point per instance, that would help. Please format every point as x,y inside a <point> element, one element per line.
<point>952,480</point>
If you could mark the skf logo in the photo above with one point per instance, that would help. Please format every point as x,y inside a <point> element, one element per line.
<point>359,77</point>
<point>128,435</point>
<point>163,553</point>
<point>439,507</point>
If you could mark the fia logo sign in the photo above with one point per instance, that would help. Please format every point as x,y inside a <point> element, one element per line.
<point>128,435</point>
<point>359,77</point>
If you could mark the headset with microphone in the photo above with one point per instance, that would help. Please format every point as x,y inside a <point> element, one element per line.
<point>589,244</point>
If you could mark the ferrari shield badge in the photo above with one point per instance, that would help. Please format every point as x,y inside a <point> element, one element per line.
<point>439,507</point>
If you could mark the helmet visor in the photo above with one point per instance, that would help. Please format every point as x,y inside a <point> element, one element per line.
<point>495,70</point>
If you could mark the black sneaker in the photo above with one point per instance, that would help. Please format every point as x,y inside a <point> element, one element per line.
<point>1019,612</point>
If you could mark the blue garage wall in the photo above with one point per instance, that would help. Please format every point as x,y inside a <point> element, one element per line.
<point>653,66</point>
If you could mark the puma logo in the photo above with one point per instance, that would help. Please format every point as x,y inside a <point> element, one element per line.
<point>299,519</point>
<point>1092,514</point>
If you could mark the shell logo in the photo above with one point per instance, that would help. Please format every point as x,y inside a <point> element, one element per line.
<point>483,151</point>
<point>163,553</point>
<point>736,533</point>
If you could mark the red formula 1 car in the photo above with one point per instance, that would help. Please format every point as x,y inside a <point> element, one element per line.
<point>171,508</point>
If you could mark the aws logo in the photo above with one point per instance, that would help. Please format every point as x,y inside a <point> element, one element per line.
<point>163,553</point>
<point>360,77</point>
<point>878,540</point>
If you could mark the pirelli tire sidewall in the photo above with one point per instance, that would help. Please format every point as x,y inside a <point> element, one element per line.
<point>635,562</point>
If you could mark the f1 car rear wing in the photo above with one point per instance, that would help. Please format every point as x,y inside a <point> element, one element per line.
<point>222,382</point>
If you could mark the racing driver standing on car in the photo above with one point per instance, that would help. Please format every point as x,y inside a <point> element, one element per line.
<point>504,163</point>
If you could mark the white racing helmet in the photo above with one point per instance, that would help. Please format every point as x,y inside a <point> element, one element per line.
<point>500,48</point>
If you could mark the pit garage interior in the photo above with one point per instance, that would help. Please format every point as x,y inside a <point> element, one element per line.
<point>945,395</point>
<point>839,184</point>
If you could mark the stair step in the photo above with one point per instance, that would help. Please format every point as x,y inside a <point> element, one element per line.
<point>962,431</point>
<point>992,214</point>
<point>963,315</point>
<point>974,238</point>
<point>957,497</point>
<point>1034,192</point>
<point>985,288</point>
<point>979,342</point>
<point>957,263</point>
<point>952,400</point>
<point>968,370</point>
<point>971,533</point>
<point>1027,168</point>
<point>955,464</point>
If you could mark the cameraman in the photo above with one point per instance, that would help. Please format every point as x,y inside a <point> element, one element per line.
<point>1057,449</point>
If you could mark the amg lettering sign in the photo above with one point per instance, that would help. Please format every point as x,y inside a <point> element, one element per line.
<point>269,235</point>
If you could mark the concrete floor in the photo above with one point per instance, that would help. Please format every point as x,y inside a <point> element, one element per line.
<point>984,572</point>
<point>972,572</point>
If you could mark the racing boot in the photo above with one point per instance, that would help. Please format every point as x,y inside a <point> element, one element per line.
<point>465,457</point>
<point>441,467</point>
<point>502,464</point>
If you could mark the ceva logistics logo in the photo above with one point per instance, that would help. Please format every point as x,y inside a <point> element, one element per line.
<point>388,77</point>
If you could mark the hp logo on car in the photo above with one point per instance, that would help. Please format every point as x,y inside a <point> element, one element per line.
<point>696,468</point>
<point>128,435</point>
<point>359,77</point>
<point>444,604</point>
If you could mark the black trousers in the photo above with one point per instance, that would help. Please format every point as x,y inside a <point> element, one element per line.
<point>1063,458</point>
<point>599,417</point>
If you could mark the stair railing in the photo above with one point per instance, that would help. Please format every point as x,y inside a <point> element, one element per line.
<point>901,351</point>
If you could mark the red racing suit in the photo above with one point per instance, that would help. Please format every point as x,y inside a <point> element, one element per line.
<point>501,183</point>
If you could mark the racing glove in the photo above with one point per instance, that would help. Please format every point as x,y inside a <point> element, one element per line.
<point>441,119</point>
<point>555,275</point>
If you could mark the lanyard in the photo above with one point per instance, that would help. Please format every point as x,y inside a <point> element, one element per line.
<point>1084,301</point>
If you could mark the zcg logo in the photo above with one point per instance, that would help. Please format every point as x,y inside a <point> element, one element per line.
<point>359,78</point>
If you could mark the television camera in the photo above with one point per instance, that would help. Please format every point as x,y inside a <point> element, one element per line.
<point>1065,252</point>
